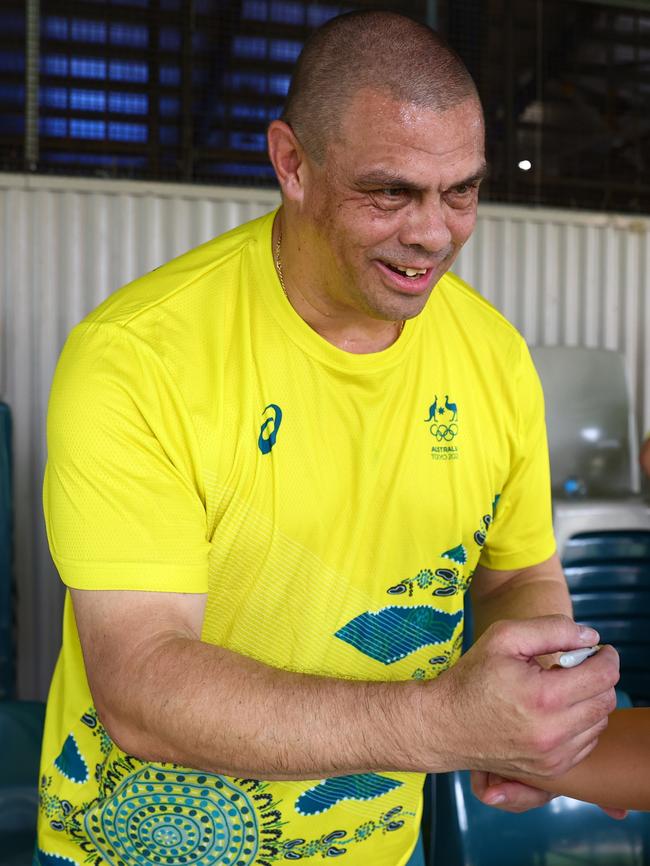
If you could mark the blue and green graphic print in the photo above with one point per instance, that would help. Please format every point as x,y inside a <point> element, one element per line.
<point>167,815</point>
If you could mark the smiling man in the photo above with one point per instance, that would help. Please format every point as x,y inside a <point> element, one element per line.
<point>276,466</point>
<point>384,213</point>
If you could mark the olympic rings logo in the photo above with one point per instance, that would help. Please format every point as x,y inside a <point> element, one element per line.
<point>444,432</point>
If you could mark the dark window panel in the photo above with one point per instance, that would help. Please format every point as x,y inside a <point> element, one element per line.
<point>13,124</point>
<point>12,61</point>
<point>12,94</point>
<point>565,85</point>
<point>185,90</point>
<point>169,39</point>
<point>169,59</point>
<point>12,22</point>
<point>169,106</point>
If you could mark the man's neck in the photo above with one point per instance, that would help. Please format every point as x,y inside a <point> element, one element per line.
<point>346,328</point>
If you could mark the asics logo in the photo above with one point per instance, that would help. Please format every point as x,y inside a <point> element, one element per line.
<point>270,427</point>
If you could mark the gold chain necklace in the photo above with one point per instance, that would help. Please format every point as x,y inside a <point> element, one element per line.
<point>278,267</point>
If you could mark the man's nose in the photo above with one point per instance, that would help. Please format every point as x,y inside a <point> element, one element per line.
<point>427,228</point>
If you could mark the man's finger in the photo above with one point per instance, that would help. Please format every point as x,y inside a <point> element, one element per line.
<point>581,745</point>
<point>574,751</point>
<point>597,674</point>
<point>544,634</point>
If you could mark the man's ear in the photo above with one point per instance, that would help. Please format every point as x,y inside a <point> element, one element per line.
<point>288,158</point>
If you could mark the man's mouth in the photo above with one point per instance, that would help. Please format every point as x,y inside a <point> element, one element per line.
<point>410,279</point>
<point>407,271</point>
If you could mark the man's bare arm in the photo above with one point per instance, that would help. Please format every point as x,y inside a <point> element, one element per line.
<point>538,590</point>
<point>163,694</point>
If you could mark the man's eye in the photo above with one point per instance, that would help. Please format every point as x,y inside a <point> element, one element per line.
<point>393,192</point>
<point>390,197</point>
<point>463,195</point>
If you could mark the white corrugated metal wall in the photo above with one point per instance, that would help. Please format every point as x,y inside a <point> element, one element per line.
<point>570,279</point>
<point>65,245</point>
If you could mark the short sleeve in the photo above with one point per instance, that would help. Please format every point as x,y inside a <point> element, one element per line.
<point>521,533</point>
<point>122,494</point>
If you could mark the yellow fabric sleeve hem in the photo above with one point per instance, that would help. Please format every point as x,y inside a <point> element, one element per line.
<point>521,559</point>
<point>147,577</point>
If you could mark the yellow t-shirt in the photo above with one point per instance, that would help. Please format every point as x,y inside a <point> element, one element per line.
<point>202,438</point>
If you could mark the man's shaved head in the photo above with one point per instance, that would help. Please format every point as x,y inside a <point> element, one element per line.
<point>379,50</point>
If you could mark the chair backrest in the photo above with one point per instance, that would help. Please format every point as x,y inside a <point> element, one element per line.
<point>609,580</point>
<point>6,582</point>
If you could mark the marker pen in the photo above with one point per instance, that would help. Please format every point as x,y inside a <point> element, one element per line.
<point>575,657</point>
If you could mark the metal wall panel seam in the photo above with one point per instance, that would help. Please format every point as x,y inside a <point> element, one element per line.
<point>529,323</point>
<point>611,272</point>
<point>464,266</point>
<point>100,255</point>
<point>592,294</point>
<point>520,269</point>
<point>628,328</point>
<point>644,408</point>
<point>571,287</point>
<point>486,278</point>
<point>549,263</point>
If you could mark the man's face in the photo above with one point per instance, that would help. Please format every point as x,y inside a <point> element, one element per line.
<point>398,190</point>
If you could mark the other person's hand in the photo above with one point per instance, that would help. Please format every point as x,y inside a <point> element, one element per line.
<point>506,794</point>
<point>506,714</point>
<point>511,796</point>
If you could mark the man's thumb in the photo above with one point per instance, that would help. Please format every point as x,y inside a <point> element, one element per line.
<point>546,634</point>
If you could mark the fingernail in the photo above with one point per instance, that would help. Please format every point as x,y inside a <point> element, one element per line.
<point>588,634</point>
<point>496,799</point>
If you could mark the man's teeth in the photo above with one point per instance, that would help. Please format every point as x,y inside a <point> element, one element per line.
<point>410,272</point>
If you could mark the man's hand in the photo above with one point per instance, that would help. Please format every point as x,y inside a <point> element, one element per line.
<point>505,714</point>
<point>511,796</point>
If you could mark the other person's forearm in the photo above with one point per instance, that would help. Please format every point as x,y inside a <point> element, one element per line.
<point>615,774</point>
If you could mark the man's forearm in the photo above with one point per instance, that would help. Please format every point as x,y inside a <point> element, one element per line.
<point>536,591</point>
<point>227,713</point>
<point>165,695</point>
